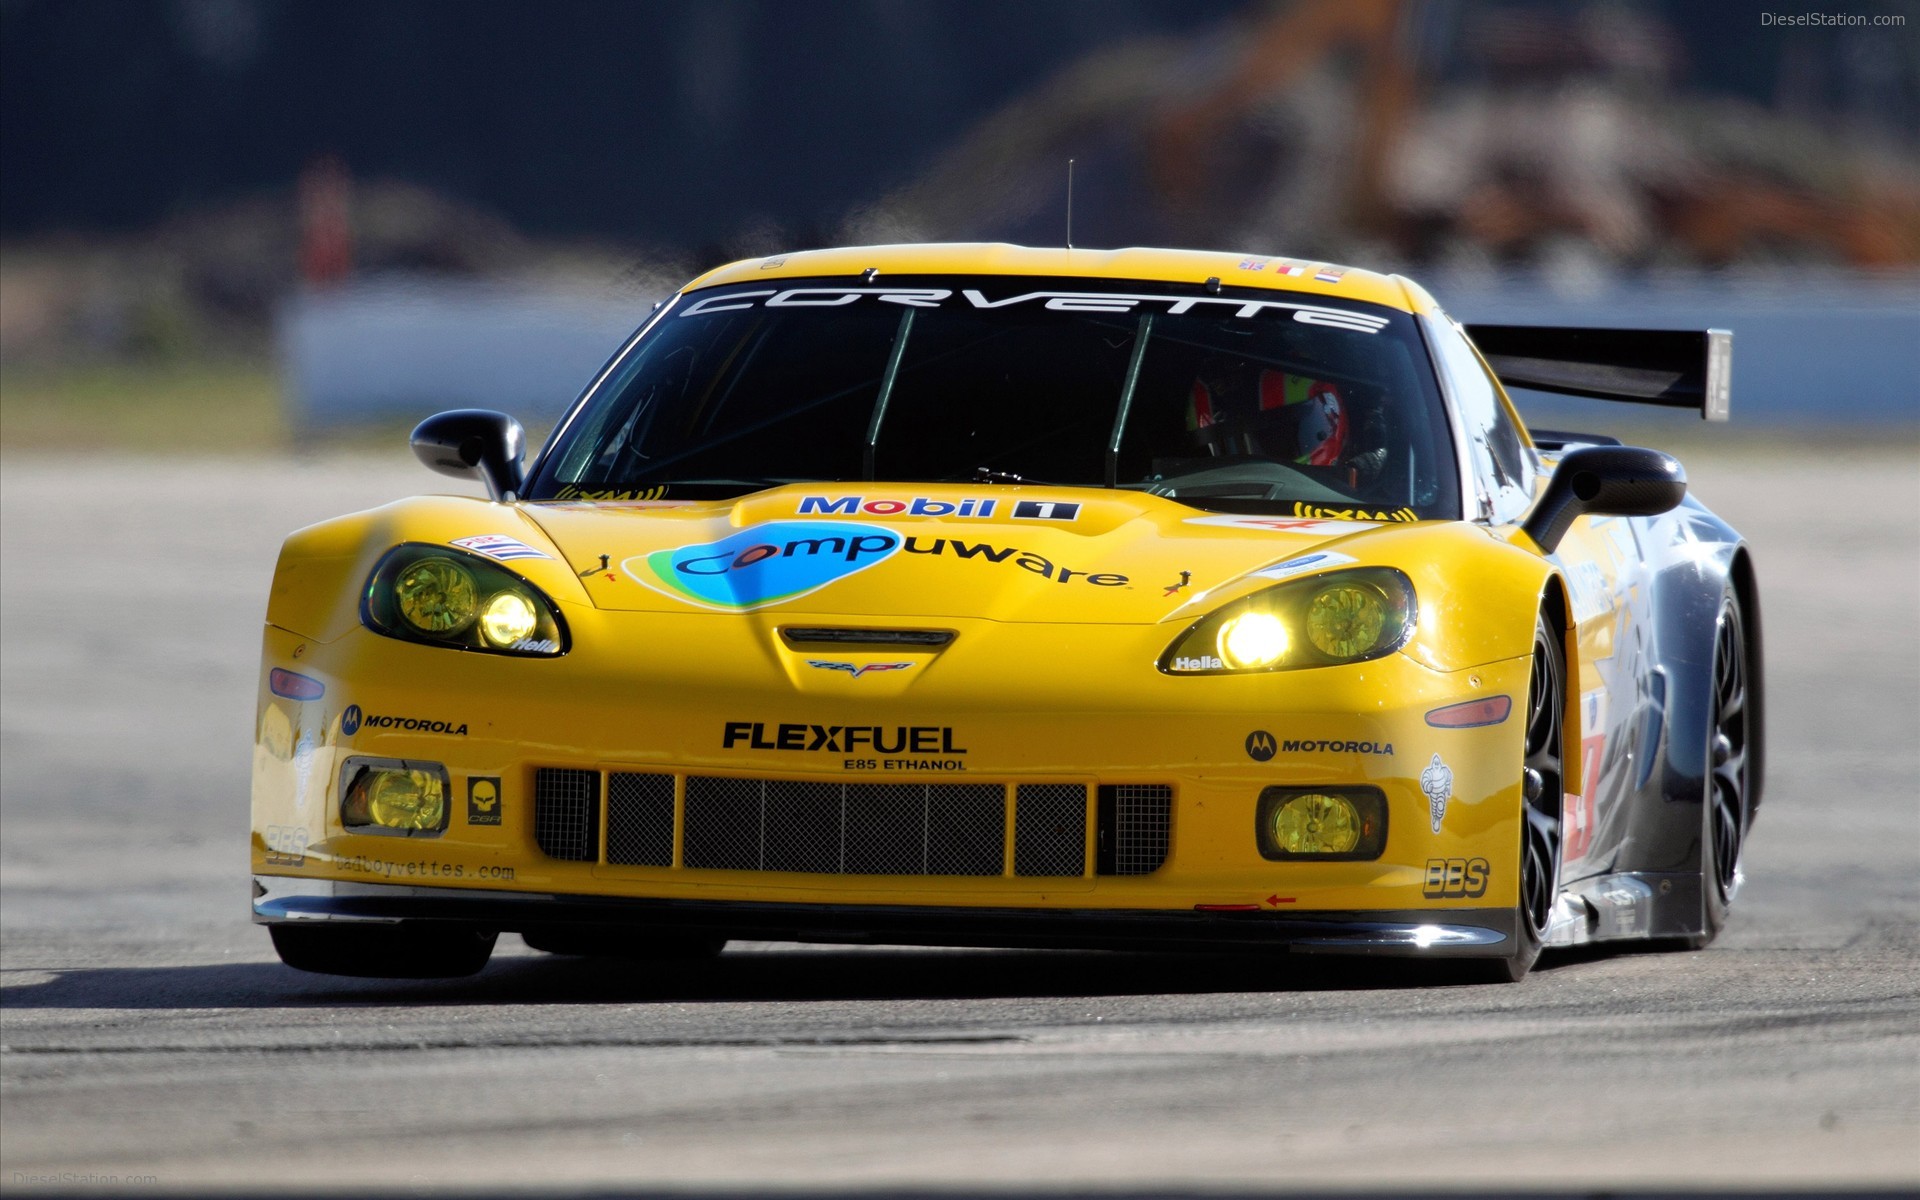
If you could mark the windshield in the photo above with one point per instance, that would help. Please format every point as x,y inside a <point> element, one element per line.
<point>1241,399</point>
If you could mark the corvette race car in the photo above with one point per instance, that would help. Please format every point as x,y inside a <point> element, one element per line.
<point>994,596</point>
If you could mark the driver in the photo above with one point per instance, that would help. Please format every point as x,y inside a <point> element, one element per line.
<point>1236,410</point>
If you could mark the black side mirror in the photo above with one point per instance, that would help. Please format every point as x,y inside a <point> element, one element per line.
<point>1614,481</point>
<point>474,443</point>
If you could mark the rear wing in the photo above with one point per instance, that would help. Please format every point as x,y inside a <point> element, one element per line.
<point>1679,368</point>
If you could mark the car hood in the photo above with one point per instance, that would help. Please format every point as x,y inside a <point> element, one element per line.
<point>1003,553</point>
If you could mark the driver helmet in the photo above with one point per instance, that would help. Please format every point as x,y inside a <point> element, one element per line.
<point>1284,416</point>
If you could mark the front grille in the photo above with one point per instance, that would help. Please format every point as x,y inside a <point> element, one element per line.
<point>844,828</point>
<point>640,820</point>
<point>1135,826</point>
<point>1050,829</point>
<point>566,813</point>
<point>827,828</point>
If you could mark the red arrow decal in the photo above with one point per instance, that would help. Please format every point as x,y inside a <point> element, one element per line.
<point>1279,900</point>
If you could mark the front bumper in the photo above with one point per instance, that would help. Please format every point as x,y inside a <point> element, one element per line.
<point>1467,933</point>
<point>498,726</point>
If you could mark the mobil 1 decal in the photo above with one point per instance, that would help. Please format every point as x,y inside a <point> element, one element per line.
<point>764,564</point>
<point>974,507</point>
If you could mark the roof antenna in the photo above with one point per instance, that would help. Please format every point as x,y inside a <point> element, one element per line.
<point>1069,204</point>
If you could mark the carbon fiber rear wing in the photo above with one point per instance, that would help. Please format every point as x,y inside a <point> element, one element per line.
<point>1679,368</point>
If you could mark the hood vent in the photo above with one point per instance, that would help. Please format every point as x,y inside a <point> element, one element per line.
<point>840,635</point>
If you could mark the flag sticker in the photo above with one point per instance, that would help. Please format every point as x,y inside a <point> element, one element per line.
<point>498,546</point>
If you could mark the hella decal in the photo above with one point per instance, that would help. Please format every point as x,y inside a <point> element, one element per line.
<point>765,564</point>
<point>840,739</point>
<point>856,669</point>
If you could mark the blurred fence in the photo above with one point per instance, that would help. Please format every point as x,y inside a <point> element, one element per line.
<point>397,350</point>
<point>1818,352</point>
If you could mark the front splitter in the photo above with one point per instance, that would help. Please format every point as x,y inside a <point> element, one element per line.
<point>1466,933</point>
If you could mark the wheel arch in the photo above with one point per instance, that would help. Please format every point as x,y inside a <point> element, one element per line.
<point>1746,587</point>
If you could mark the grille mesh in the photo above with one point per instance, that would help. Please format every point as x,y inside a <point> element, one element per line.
<point>640,820</point>
<point>1050,829</point>
<point>1142,826</point>
<point>844,829</point>
<point>566,813</point>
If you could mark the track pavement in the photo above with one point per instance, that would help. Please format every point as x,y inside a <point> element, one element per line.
<point>150,1036</point>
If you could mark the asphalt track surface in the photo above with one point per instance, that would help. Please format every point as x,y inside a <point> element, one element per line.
<point>151,1040</point>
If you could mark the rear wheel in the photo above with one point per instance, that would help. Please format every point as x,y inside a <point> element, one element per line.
<point>1542,789</point>
<point>600,943</point>
<point>383,951</point>
<point>1726,798</point>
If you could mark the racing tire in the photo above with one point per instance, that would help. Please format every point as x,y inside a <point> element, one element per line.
<point>384,951</point>
<point>1543,795</point>
<point>1726,798</point>
<point>596,943</point>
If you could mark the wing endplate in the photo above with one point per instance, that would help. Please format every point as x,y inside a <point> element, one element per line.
<point>1678,368</point>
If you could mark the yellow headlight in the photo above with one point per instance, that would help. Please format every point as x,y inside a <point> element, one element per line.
<point>1316,824</point>
<point>508,618</point>
<point>406,800</point>
<point>1345,620</point>
<point>1253,639</point>
<point>436,595</point>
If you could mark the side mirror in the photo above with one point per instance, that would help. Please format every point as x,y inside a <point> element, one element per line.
<point>1614,481</point>
<point>474,443</point>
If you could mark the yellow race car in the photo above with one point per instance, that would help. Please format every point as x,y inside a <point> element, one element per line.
<point>990,596</point>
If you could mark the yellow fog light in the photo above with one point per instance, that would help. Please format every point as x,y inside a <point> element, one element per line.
<point>393,796</point>
<point>406,800</point>
<point>1346,823</point>
<point>1315,824</point>
<point>1253,639</point>
<point>508,619</point>
<point>436,595</point>
<point>1345,620</point>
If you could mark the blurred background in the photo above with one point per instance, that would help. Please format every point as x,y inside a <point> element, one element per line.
<point>263,224</point>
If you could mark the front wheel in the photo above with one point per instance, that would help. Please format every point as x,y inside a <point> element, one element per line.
<point>384,951</point>
<point>1543,792</point>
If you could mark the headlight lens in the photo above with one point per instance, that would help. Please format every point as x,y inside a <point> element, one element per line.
<point>1317,621</point>
<point>1344,621</point>
<point>440,596</point>
<point>1252,640</point>
<point>435,595</point>
<point>509,619</point>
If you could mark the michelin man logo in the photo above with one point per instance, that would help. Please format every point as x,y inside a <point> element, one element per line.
<point>1437,782</point>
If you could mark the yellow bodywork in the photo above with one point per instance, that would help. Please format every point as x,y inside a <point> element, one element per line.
<point>1052,677</point>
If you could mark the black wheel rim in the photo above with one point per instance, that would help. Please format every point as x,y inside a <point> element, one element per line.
<point>1727,754</point>
<point>1540,858</point>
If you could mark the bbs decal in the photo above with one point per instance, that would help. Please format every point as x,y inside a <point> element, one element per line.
<point>1452,878</point>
